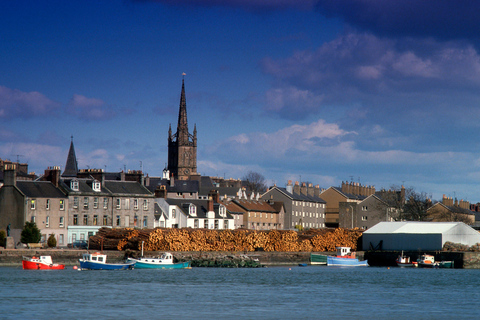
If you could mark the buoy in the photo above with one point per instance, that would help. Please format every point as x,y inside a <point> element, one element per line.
<point>75,267</point>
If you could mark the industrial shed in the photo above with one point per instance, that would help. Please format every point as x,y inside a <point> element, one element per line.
<point>411,236</point>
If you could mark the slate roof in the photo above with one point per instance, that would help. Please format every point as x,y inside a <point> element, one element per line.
<point>179,186</point>
<point>350,195</point>
<point>127,188</point>
<point>40,189</point>
<point>254,205</point>
<point>201,205</point>
<point>300,197</point>
<point>234,208</point>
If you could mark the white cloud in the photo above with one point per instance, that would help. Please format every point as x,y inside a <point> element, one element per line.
<point>16,103</point>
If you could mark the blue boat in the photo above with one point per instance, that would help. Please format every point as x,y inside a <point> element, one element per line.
<point>98,261</point>
<point>345,258</point>
<point>165,261</point>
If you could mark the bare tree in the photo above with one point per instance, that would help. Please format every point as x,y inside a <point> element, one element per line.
<point>255,182</point>
<point>407,204</point>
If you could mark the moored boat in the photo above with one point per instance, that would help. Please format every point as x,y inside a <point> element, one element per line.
<point>316,258</point>
<point>98,261</point>
<point>41,263</point>
<point>404,261</point>
<point>428,261</point>
<point>165,261</point>
<point>345,258</point>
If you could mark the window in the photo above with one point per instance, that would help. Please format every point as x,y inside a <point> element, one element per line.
<point>174,213</point>
<point>95,202</point>
<point>105,203</point>
<point>32,204</point>
<point>216,224</point>
<point>145,221</point>
<point>74,185</point>
<point>75,219</point>
<point>145,204</point>
<point>135,219</point>
<point>364,208</point>
<point>47,204</point>
<point>226,224</point>
<point>195,223</point>
<point>60,239</point>
<point>127,204</point>
<point>364,218</point>
<point>75,202</point>
<point>105,220</point>
<point>135,204</point>
<point>205,224</point>
<point>96,186</point>
<point>60,222</point>
<point>85,220</point>
<point>62,204</point>
<point>119,203</point>
<point>74,237</point>
<point>95,220</point>
<point>85,202</point>
<point>118,220</point>
<point>193,210</point>
<point>47,222</point>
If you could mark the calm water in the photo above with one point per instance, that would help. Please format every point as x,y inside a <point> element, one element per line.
<point>267,293</point>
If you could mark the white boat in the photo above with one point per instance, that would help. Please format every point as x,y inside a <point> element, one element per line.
<point>165,261</point>
<point>404,261</point>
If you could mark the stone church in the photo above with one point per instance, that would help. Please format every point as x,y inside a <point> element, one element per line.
<point>182,146</point>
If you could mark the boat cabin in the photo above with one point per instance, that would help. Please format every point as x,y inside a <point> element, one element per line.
<point>95,257</point>
<point>345,252</point>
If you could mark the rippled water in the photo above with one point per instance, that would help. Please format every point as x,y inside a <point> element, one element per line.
<point>312,292</point>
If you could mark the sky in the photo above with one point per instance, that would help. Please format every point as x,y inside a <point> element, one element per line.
<point>384,93</point>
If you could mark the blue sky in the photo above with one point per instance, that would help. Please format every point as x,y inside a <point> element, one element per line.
<point>379,92</point>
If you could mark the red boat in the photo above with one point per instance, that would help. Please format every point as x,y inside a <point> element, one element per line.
<point>41,263</point>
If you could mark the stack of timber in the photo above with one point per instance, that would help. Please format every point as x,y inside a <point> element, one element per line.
<point>187,239</point>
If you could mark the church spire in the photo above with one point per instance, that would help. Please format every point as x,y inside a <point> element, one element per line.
<point>71,167</point>
<point>182,127</point>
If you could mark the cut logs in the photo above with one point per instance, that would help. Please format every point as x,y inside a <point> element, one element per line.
<point>187,239</point>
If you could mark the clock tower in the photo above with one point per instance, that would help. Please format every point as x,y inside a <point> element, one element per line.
<point>182,146</point>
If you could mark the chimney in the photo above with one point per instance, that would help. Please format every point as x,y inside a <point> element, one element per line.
<point>210,204</point>
<point>303,189</point>
<point>52,174</point>
<point>289,186</point>
<point>316,191</point>
<point>310,190</point>
<point>215,196</point>
<point>10,175</point>
<point>296,188</point>
<point>161,192</point>
<point>172,181</point>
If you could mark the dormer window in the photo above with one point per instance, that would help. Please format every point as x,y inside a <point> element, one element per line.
<point>96,186</point>
<point>74,185</point>
<point>192,210</point>
<point>222,211</point>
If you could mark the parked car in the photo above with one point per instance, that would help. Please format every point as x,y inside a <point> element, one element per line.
<point>78,244</point>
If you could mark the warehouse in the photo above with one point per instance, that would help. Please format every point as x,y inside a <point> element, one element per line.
<point>413,235</point>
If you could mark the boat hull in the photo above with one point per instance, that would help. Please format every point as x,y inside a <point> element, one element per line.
<point>318,259</point>
<point>31,265</point>
<point>89,265</point>
<point>345,262</point>
<point>152,265</point>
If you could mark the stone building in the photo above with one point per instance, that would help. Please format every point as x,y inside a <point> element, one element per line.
<point>41,202</point>
<point>304,208</point>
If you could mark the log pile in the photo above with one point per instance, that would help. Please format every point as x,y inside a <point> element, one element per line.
<point>187,239</point>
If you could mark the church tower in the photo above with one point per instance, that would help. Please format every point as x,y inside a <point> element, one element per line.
<point>182,146</point>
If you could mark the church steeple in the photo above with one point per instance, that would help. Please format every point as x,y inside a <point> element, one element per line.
<point>182,146</point>
<point>71,167</point>
<point>182,127</point>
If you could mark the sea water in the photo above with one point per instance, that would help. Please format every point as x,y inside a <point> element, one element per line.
<point>292,292</point>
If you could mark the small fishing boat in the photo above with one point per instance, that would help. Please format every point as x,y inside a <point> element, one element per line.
<point>345,258</point>
<point>165,261</point>
<point>404,261</point>
<point>98,261</point>
<point>316,258</point>
<point>428,261</point>
<point>41,263</point>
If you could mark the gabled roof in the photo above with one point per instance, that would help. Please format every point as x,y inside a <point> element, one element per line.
<point>127,188</point>
<point>40,189</point>
<point>348,195</point>
<point>234,208</point>
<point>201,205</point>
<point>254,205</point>
<point>296,196</point>
<point>454,209</point>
